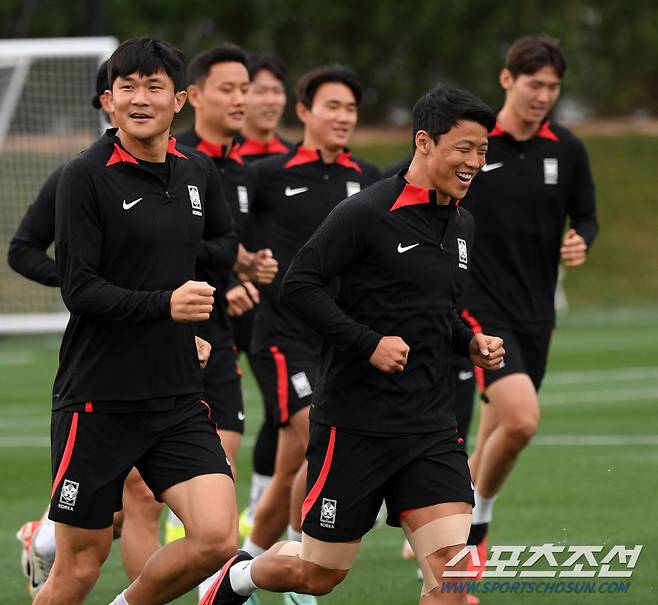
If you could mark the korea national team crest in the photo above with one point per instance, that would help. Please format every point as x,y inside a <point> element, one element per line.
<point>243,199</point>
<point>550,171</point>
<point>352,187</point>
<point>328,513</point>
<point>69,494</point>
<point>463,253</point>
<point>195,200</point>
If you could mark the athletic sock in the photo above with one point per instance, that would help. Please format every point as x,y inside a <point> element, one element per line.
<point>43,541</point>
<point>253,549</point>
<point>259,484</point>
<point>120,600</point>
<point>240,578</point>
<point>483,510</point>
<point>294,535</point>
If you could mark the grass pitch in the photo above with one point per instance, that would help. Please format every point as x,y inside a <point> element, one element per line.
<point>590,477</point>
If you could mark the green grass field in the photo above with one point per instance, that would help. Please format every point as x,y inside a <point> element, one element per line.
<point>590,478</point>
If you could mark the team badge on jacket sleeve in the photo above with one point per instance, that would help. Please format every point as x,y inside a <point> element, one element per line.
<point>550,171</point>
<point>195,199</point>
<point>463,253</point>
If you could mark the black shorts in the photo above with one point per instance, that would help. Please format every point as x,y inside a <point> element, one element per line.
<point>242,326</point>
<point>222,389</point>
<point>92,453</point>
<point>286,382</point>
<point>350,474</point>
<point>525,352</point>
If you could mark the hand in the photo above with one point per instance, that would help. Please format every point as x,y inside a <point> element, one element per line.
<point>203,348</point>
<point>574,249</point>
<point>390,355</point>
<point>242,298</point>
<point>263,267</point>
<point>192,301</point>
<point>486,351</point>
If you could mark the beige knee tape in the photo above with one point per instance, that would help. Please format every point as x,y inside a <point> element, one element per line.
<point>435,535</point>
<point>330,555</point>
<point>290,549</point>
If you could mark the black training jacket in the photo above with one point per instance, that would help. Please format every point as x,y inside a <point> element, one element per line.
<point>521,200</point>
<point>294,194</point>
<point>27,249</point>
<point>124,240</point>
<point>402,261</point>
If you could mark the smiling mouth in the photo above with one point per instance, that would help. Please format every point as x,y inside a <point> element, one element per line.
<point>140,116</point>
<point>465,177</point>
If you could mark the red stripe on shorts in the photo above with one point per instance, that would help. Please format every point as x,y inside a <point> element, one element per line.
<point>68,452</point>
<point>281,382</point>
<point>477,329</point>
<point>322,477</point>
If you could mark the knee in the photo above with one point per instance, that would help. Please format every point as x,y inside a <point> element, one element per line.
<point>213,549</point>
<point>85,572</point>
<point>521,430</point>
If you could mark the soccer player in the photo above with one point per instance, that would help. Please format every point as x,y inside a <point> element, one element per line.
<point>134,212</point>
<point>537,174</point>
<point>294,193</point>
<point>383,424</point>
<point>265,103</point>
<point>139,522</point>
<point>218,81</point>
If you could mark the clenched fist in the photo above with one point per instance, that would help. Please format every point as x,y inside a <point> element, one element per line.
<point>192,301</point>
<point>390,355</point>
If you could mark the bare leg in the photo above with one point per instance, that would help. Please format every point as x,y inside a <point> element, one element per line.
<point>207,507</point>
<point>80,554</point>
<point>231,441</point>
<point>487,424</point>
<point>516,406</point>
<point>297,496</point>
<point>140,536</point>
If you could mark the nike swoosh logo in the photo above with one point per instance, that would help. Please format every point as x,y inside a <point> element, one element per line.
<point>463,375</point>
<point>490,167</point>
<point>402,248</point>
<point>290,191</point>
<point>240,415</point>
<point>129,206</point>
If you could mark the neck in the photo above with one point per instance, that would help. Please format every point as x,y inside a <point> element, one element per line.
<point>328,155</point>
<point>258,134</point>
<point>419,176</point>
<point>153,149</point>
<point>514,125</point>
<point>213,134</point>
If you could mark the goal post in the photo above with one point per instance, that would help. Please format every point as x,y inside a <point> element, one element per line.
<point>46,118</point>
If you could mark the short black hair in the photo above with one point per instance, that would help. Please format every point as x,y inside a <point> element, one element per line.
<point>530,54</point>
<point>308,84</point>
<point>102,84</point>
<point>146,56</point>
<point>442,108</point>
<point>201,64</point>
<point>267,62</point>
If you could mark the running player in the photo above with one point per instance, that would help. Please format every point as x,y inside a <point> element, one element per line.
<point>294,193</point>
<point>383,423</point>
<point>133,214</point>
<point>139,522</point>
<point>537,174</point>
<point>264,106</point>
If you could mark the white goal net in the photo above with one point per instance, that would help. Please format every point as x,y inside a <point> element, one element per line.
<point>46,118</point>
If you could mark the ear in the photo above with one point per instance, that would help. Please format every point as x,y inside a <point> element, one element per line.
<point>107,102</point>
<point>193,94</point>
<point>181,97</point>
<point>506,78</point>
<point>302,112</point>
<point>423,142</point>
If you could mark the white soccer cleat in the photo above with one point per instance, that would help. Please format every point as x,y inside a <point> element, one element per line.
<point>35,567</point>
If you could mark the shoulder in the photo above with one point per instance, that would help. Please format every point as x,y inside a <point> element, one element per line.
<point>270,164</point>
<point>567,139</point>
<point>375,200</point>
<point>369,170</point>
<point>187,138</point>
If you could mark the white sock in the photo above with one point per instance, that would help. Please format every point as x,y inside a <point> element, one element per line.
<point>120,600</point>
<point>172,519</point>
<point>253,549</point>
<point>483,509</point>
<point>206,584</point>
<point>259,484</point>
<point>43,541</point>
<point>294,535</point>
<point>240,577</point>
